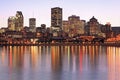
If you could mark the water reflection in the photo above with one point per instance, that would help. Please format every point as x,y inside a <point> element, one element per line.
<point>59,63</point>
<point>113,56</point>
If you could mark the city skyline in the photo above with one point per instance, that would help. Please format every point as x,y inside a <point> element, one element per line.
<point>104,11</point>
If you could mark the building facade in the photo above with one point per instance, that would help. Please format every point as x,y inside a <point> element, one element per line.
<point>11,23</point>
<point>93,27</point>
<point>15,23</point>
<point>74,26</point>
<point>56,18</point>
<point>65,26</point>
<point>19,24</point>
<point>107,30</point>
<point>32,24</point>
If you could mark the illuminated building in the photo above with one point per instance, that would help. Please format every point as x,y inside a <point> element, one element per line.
<point>15,23</point>
<point>2,30</point>
<point>19,21</point>
<point>74,25</point>
<point>32,24</point>
<point>11,23</point>
<point>65,26</point>
<point>56,19</point>
<point>107,30</point>
<point>93,27</point>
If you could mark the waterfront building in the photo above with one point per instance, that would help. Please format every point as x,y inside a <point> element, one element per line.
<point>32,24</point>
<point>13,36</point>
<point>11,23</point>
<point>93,27</point>
<point>65,26</point>
<point>116,30</point>
<point>19,23</point>
<point>38,29</point>
<point>56,20</point>
<point>107,30</point>
<point>15,23</point>
<point>26,29</point>
<point>2,30</point>
<point>74,26</point>
<point>43,28</point>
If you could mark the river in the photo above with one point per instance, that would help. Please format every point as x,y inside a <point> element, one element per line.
<point>59,63</point>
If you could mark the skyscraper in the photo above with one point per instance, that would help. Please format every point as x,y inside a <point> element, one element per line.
<point>32,24</point>
<point>11,23</point>
<point>19,21</point>
<point>56,18</point>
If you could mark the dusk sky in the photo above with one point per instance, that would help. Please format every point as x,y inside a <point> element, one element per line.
<point>103,10</point>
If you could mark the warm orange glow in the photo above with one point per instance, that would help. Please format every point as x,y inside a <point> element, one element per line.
<point>81,58</point>
<point>113,57</point>
<point>34,55</point>
<point>10,57</point>
<point>117,38</point>
<point>55,57</point>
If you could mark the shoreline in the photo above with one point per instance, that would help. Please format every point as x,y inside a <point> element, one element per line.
<point>64,44</point>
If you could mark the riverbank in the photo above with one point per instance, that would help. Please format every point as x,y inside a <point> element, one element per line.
<point>64,44</point>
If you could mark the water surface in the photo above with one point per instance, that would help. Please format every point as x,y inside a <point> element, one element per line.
<point>59,63</point>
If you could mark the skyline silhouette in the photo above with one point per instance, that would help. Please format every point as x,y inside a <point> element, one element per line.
<point>104,11</point>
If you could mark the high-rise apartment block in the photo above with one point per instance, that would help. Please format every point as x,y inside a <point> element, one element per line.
<point>56,18</point>
<point>32,24</point>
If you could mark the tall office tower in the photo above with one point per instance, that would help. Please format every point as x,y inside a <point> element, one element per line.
<point>56,18</point>
<point>11,23</point>
<point>19,21</point>
<point>32,24</point>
